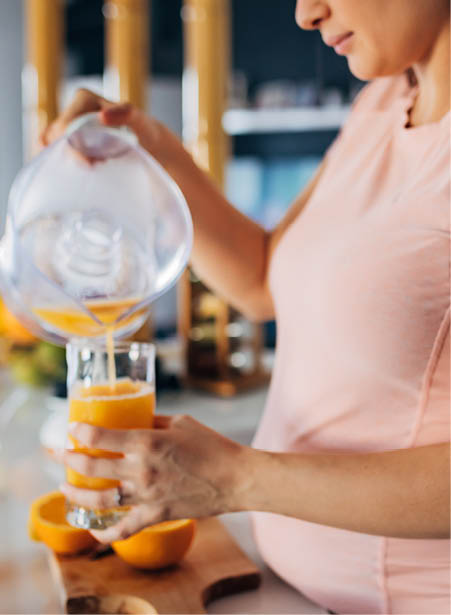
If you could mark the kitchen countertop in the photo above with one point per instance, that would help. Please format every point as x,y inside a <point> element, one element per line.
<point>26,472</point>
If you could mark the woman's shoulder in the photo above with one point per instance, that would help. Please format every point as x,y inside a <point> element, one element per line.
<point>381,93</point>
<point>381,98</point>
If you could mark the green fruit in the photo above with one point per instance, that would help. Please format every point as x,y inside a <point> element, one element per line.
<point>25,372</point>
<point>50,360</point>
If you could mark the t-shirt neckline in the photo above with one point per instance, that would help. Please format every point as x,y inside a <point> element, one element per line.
<point>407,102</point>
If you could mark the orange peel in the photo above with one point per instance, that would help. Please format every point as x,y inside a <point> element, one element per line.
<point>157,546</point>
<point>47,523</point>
<point>12,328</point>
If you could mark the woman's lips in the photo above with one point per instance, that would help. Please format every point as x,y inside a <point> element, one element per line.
<point>341,43</point>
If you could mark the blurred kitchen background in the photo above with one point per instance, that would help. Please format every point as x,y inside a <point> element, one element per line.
<point>287,97</point>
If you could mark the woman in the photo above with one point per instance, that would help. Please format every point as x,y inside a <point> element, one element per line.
<point>350,467</point>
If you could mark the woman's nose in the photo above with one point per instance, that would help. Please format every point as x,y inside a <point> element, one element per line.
<point>311,13</point>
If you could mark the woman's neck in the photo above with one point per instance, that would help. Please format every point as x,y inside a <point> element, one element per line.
<point>433,77</point>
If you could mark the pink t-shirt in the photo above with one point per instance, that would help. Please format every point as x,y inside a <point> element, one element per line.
<point>361,286</point>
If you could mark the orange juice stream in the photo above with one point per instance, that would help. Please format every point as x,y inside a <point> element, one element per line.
<point>110,354</point>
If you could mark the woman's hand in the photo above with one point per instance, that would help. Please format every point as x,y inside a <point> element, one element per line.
<point>152,135</point>
<point>178,469</point>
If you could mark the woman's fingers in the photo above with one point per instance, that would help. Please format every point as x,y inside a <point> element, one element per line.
<point>97,466</point>
<point>121,440</point>
<point>119,114</point>
<point>114,440</point>
<point>137,519</point>
<point>83,102</point>
<point>103,499</point>
<point>149,132</point>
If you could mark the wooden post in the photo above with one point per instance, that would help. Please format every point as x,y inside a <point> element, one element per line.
<point>207,56</point>
<point>127,49</point>
<point>44,33</point>
<point>127,24</point>
<point>207,53</point>
<point>205,84</point>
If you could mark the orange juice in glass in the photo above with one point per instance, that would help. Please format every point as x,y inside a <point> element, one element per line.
<point>122,400</point>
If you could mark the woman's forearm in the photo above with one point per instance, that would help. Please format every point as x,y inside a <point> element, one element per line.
<point>403,493</point>
<point>230,250</point>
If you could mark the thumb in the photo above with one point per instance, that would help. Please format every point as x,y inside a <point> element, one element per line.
<point>117,115</point>
<point>125,114</point>
<point>161,421</point>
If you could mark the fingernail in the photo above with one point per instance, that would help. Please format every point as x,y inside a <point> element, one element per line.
<point>63,488</point>
<point>72,427</point>
<point>118,108</point>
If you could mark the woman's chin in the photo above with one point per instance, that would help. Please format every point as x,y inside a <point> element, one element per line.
<point>362,70</point>
<point>366,70</point>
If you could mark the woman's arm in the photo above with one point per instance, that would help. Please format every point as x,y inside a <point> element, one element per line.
<point>231,253</point>
<point>184,469</point>
<point>402,493</point>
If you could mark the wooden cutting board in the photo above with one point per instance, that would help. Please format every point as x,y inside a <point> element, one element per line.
<point>214,567</point>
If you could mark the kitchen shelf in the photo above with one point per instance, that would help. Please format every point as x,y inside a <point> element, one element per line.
<point>296,119</point>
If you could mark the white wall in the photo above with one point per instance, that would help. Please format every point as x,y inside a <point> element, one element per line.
<point>11,61</point>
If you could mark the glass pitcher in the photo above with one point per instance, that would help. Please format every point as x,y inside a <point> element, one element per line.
<point>96,230</point>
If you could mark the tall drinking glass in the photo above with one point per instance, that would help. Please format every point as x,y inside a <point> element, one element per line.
<point>112,388</point>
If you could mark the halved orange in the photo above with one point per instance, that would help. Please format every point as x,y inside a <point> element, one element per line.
<point>157,546</point>
<point>12,328</point>
<point>47,523</point>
